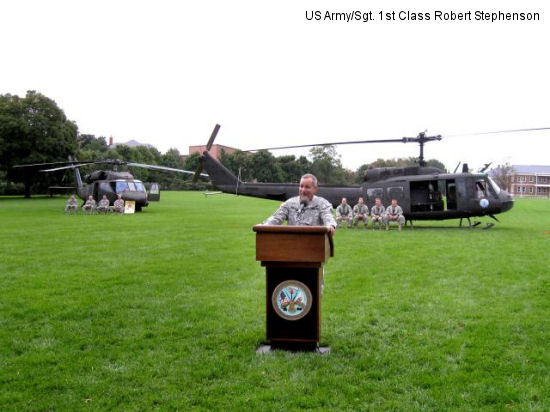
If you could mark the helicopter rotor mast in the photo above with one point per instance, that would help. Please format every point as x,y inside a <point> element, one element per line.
<point>421,139</point>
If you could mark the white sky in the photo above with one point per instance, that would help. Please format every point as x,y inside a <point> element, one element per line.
<point>165,72</point>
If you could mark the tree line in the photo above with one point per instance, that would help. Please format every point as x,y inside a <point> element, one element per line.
<point>33,129</point>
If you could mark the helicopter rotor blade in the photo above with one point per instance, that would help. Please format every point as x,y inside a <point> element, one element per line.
<point>198,172</point>
<point>485,167</point>
<point>72,162</point>
<point>403,140</point>
<point>67,167</point>
<point>532,129</point>
<point>168,169</point>
<point>457,166</point>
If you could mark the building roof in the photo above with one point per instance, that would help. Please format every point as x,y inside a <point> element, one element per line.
<point>531,170</point>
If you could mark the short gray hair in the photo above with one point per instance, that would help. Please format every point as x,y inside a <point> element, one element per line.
<point>310,176</point>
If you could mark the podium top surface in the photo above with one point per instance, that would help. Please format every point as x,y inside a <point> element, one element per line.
<point>289,229</point>
<point>293,243</point>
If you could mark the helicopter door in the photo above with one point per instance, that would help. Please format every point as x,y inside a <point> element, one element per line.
<point>451,195</point>
<point>153,194</point>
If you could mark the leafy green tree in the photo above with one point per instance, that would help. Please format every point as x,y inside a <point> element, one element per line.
<point>263,167</point>
<point>33,129</point>
<point>293,169</point>
<point>238,160</point>
<point>326,165</point>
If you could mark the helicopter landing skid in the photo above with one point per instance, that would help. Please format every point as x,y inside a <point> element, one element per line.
<point>476,224</point>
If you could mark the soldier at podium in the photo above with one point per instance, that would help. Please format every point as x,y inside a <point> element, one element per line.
<point>306,209</point>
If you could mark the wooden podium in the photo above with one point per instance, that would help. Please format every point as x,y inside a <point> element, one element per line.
<point>293,257</point>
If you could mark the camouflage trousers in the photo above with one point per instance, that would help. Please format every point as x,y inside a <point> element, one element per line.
<point>347,218</point>
<point>377,218</point>
<point>88,209</point>
<point>400,219</point>
<point>71,208</point>
<point>364,219</point>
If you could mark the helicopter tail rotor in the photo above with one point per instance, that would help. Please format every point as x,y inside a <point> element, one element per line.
<point>208,147</point>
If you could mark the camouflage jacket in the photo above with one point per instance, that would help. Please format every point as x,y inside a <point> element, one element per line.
<point>72,202</point>
<point>90,203</point>
<point>318,212</point>
<point>377,210</point>
<point>360,209</point>
<point>104,203</point>
<point>343,210</point>
<point>119,204</point>
<point>391,210</point>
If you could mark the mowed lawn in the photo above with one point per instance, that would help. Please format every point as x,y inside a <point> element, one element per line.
<point>165,309</point>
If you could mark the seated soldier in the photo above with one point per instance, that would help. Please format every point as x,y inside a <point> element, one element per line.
<point>394,213</point>
<point>377,213</point>
<point>344,212</point>
<point>118,206</point>
<point>360,212</point>
<point>89,206</point>
<point>72,205</point>
<point>103,205</point>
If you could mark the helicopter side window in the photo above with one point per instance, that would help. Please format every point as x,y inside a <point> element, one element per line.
<point>395,192</point>
<point>139,186</point>
<point>373,193</point>
<point>132,186</point>
<point>121,187</point>
<point>154,189</point>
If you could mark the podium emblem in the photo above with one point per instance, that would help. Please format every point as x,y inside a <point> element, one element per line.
<point>291,300</point>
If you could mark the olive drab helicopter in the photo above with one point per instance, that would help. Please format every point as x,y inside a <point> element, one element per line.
<point>424,193</point>
<point>111,183</point>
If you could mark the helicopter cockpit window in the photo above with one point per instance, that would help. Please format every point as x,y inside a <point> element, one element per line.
<point>480,189</point>
<point>121,187</point>
<point>132,186</point>
<point>494,186</point>
<point>139,186</point>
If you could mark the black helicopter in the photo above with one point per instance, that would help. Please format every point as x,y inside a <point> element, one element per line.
<point>424,193</point>
<point>111,183</point>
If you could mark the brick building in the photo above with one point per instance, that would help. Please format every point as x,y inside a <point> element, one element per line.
<point>215,150</point>
<point>530,181</point>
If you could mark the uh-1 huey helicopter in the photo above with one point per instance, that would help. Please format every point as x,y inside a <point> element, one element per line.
<point>111,183</point>
<point>424,193</point>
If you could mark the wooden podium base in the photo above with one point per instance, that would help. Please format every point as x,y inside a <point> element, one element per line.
<point>320,350</point>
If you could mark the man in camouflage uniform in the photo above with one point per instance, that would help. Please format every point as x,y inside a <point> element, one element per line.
<point>360,212</point>
<point>306,209</point>
<point>377,213</point>
<point>89,206</point>
<point>344,212</point>
<point>394,213</point>
<point>118,206</point>
<point>72,205</point>
<point>103,205</point>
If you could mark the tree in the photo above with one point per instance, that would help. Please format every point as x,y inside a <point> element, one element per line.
<point>325,162</point>
<point>235,161</point>
<point>263,167</point>
<point>33,129</point>
<point>503,176</point>
<point>293,169</point>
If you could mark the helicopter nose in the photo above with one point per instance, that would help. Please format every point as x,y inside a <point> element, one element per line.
<point>507,201</point>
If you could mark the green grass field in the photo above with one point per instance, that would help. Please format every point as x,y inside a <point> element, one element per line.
<point>165,309</point>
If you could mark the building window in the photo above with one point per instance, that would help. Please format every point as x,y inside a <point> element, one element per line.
<point>531,179</point>
<point>531,189</point>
